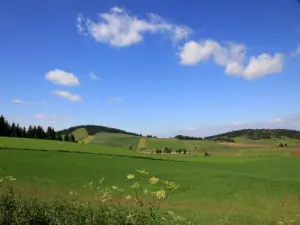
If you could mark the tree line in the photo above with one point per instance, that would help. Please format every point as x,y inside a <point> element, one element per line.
<point>36,132</point>
<point>257,134</point>
<point>182,137</point>
<point>213,138</point>
<point>93,129</point>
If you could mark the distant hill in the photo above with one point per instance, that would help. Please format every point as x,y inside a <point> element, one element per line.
<point>93,129</point>
<point>80,134</point>
<point>256,134</point>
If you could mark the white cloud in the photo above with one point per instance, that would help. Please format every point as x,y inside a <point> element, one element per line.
<point>232,56</point>
<point>61,77</point>
<point>238,124</point>
<point>93,76</point>
<point>40,116</point>
<point>17,101</point>
<point>296,52</point>
<point>277,120</point>
<point>234,68</point>
<point>119,28</point>
<point>114,99</point>
<point>194,52</point>
<point>68,95</point>
<point>262,65</point>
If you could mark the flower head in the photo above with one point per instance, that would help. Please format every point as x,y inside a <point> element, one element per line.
<point>161,194</point>
<point>114,187</point>
<point>170,185</point>
<point>153,180</point>
<point>135,185</point>
<point>130,176</point>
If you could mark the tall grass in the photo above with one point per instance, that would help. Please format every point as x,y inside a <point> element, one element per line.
<point>17,210</point>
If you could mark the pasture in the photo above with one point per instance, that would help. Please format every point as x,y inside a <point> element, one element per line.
<point>80,134</point>
<point>244,186</point>
<point>122,141</point>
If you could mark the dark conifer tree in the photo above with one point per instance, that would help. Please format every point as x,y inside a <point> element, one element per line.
<point>72,138</point>
<point>66,138</point>
<point>13,130</point>
<point>59,137</point>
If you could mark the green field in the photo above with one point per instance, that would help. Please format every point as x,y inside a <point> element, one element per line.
<point>80,134</point>
<point>258,186</point>
<point>122,141</point>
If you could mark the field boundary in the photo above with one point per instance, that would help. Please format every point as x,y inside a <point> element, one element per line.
<point>89,153</point>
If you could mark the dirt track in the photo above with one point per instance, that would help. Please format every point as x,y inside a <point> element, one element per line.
<point>296,152</point>
<point>245,145</point>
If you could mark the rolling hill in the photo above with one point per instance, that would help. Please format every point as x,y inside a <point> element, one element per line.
<point>256,134</point>
<point>94,129</point>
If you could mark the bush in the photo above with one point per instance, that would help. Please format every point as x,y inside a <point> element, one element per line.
<point>184,151</point>
<point>158,151</point>
<point>281,145</point>
<point>167,150</point>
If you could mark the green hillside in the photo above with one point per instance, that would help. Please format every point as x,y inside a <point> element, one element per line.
<point>257,134</point>
<point>116,140</point>
<point>94,129</point>
<point>80,134</point>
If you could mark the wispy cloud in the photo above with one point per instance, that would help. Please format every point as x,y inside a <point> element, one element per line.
<point>114,99</point>
<point>93,76</point>
<point>61,77</point>
<point>233,57</point>
<point>119,28</point>
<point>17,101</point>
<point>68,95</point>
<point>296,52</point>
<point>50,119</point>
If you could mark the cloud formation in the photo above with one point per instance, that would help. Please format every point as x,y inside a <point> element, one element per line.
<point>119,28</point>
<point>296,52</point>
<point>60,77</point>
<point>93,76</point>
<point>232,56</point>
<point>17,101</point>
<point>114,99</point>
<point>68,95</point>
<point>50,119</point>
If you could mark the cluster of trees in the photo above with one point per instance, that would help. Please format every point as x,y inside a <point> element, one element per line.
<point>37,132</point>
<point>182,137</point>
<point>93,129</point>
<point>211,138</point>
<point>169,150</point>
<point>150,136</point>
<point>257,134</point>
<point>281,145</point>
<point>220,139</point>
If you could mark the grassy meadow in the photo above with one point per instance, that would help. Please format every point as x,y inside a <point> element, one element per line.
<point>236,185</point>
<point>116,140</point>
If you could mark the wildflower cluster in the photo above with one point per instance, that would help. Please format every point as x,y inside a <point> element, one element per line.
<point>6,179</point>
<point>170,185</point>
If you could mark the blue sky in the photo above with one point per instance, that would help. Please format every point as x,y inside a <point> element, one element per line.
<point>194,67</point>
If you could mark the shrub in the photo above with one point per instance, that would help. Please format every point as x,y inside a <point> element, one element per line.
<point>184,151</point>
<point>158,151</point>
<point>281,145</point>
